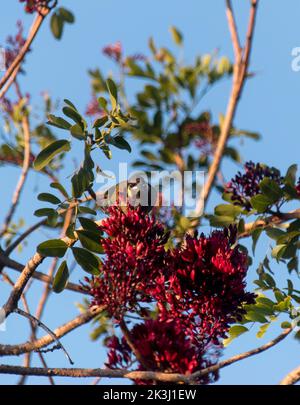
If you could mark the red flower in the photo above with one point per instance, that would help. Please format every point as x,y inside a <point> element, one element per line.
<point>298,187</point>
<point>198,290</point>
<point>135,256</point>
<point>246,185</point>
<point>33,5</point>
<point>113,51</point>
<point>14,44</point>
<point>94,109</point>
<point>165,347</point>
<point>207,286</point>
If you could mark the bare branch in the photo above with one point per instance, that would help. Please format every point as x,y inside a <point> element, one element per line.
<point>15,350</point>
<point>291,378</point>
<point>97,372</point>
<point>12,264</point>
<point>130,343</point>
<point>233,30</point>
<point>43,326</point>
<point>239,75</point>
<point>16,64</point>
<point>277,219</point>
<point>243,356</point>
<point>23,176</point>
<point>145,375</point>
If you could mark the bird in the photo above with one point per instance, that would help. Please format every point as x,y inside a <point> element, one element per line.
<point>133,192</point>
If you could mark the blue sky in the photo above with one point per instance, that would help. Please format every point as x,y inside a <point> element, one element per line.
<point>269,105</point>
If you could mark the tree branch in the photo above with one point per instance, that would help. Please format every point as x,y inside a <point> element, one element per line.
<point>16,350</point>
<point>271,220</point>
<point>242,356</point>
<point>239,75</point>
<point>233,30</point>
<point>23,177</point>
<point>37,322</point>
<point>12,264</point>
<point>291,378</point>
<point>16,64</point>
<point>145,375</point>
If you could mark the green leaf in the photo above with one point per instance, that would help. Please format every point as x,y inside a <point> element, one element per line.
<point>255,236</point>
<point>75,116</point>
<point>56,25</point>
<point>90,240</point>
<point>234,332</point>
<point>228,210</point>
<point>49,153</point>
<point>44,212</point>
<point>260,202</point>
<point>87,260</point>
<point>220,221</point>
<point>290,177</point>
<point>262,330</point>
<point>89,225</point>
<point>58,122</point>
<point>255,316</point>
<point>100,122</point>
<point>59,187</point>
<point>176,35</point>
<point>61,278</point>
<point>87,210</point>
<point>77,131</point>
<point>66,15</point>
<point>70,104</point>
<point>121,143</point>
<point>49,198</point>
<point>52,248</point>
<point>278,251</point>
<point>270,189</point>
<point>113,92</point>
<point>274,233</point>
<point>80,182</point>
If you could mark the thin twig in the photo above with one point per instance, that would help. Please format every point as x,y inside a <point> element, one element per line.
<point>233,30</point>
<point>47,290</point>
<point>291,378</point>
<point>82,319</point>
<point>144,375</point>
<point>43,326</point>
<point>272,220</point>
<point>23,176</point>
<point>26,307</point>
<point>239,75</point>
<point>12,264</point>
<point>130,343</point>
<point>243,356</point>
<point>15,65</point>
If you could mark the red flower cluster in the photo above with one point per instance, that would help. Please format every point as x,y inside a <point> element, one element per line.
<point>33,5</point>
<point>198,290</point>
<point>164,346</point>
<point>135,255</point>
<point>298,187</point>
<point>246,185</point>
<point>93,108</point>
<point>113,51</point>
<point>206,289</point>
<point>206,138</point>
<point>14,44</point>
